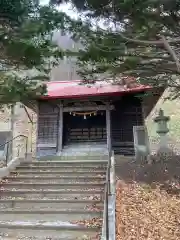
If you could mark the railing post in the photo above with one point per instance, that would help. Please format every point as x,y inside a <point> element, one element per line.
<point>109,196</point>
<point>18,152</point>
<point>17,148</point>
<point>26,139</point>
<point>109,177</point>
<point>32,128</point>
<point>7,154</point>
<point>107,213</point>
<point>112,174</point>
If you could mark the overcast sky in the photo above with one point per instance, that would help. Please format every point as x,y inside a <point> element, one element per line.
<point>65,8</point>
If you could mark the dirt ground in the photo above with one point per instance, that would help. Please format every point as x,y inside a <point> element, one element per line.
<point>160,172</point>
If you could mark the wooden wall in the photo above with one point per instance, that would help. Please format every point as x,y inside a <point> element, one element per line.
<point>127,113</point>
<point>47,128</point>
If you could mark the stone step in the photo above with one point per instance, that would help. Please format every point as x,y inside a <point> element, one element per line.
<point>66,163</point>
<point>51,207</point>
<point>75,157</point>
<point>65,215</point>
<point>41,200</point>
<point>50,230</point>
<point>67,197</point>
<point>21,195</point>
<point>58,194</point>
<point>69,171</point>
<point>61,168</point>
<point>25,204</point>
<point>15,234</point>
<point>59,173</point>
<point>53,186</point>
<point>51,179</point>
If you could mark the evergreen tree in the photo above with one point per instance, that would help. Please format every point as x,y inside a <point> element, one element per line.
<point>141,39</point>
<point>26,47</point>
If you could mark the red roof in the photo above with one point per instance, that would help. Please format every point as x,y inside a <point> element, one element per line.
<point>75,89</point>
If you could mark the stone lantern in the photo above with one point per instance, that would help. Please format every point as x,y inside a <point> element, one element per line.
<point>162,121</point>
<point>162,131</point>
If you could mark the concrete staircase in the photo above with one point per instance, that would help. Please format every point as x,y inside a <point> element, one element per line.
<point>57,200</point>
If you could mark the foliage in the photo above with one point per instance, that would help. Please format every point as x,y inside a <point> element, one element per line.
<point>140,39</point>
<point>27,52</point>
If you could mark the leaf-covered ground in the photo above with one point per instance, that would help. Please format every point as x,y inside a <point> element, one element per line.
<point>148,196</point>
<point>148,200</point>
<point>144,213</point>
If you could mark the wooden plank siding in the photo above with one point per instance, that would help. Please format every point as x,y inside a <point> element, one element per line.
<point>127,113</point>
<point>47,129</point>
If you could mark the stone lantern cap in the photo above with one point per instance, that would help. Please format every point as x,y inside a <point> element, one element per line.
<point>161,117</point>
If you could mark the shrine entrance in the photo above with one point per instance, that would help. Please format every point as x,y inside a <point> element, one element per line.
<point>64,127</point>
<point>80,127</point>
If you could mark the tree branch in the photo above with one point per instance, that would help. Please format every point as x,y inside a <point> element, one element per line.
<point>171,52</point>
<point>144,42</point>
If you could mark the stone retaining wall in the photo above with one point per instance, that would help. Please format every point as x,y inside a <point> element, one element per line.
<point>21,126</point>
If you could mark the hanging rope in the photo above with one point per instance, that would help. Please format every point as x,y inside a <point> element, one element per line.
<point>85,114</point>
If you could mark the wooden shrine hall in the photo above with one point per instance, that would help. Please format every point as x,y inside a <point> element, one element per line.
<point>101,114</point>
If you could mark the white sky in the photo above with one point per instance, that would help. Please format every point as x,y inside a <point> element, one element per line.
<point>65,8</point>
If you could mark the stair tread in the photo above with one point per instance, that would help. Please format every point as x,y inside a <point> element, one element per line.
<point>55,184</point>
<point>51,178</point>
<point>45,210</point>
<point>51,191</point>
<point>74,194</point>
<point>67,198</point>
<point>47,224</point>
<point>50,171</point>
<point>68,161</point>
<point>58,175</point>
<point>52,201</point>
<point>54,177</point>
<point>66,166</point>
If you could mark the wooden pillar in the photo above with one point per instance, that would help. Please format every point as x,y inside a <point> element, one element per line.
<point>108,127</point>
<point>143,110</point>
<point>12,133</point>
<point>37,110</point>
<point>60,130</point>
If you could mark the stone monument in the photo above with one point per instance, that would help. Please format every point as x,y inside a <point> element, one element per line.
<point>162,130</point>
<point>141,142</point>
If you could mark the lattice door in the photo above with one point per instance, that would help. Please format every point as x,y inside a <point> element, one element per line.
<point>48,129</point>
